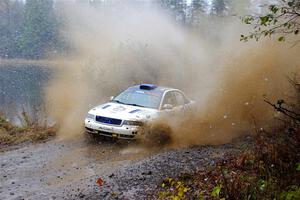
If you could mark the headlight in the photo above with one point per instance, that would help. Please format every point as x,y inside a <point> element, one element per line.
<point>132,123</point>
<point>90,116</point>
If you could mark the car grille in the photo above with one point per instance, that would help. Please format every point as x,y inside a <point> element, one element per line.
<point>108,120</point>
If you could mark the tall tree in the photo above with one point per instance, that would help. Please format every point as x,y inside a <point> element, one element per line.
<point>11,24</point>
<point>178,8</point>
<point>198,8</point>
<point>218,7</point>
<point>40,30</point>
<point>199,5</point>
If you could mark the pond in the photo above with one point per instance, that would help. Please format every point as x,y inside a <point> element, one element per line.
<point>21,89</point>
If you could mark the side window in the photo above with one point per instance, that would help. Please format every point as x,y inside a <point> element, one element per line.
<point>180,99</point>
<point>169,99</point>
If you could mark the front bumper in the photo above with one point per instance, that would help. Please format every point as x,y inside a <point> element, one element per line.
<point>124,131</point>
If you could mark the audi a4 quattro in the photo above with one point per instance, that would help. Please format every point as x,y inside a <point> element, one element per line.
<point>124,114</point>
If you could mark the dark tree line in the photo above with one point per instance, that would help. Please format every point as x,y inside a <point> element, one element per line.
<point>193,12</point>
<point>27,29</point>
<point>30,29</point>
<point>11,25</point>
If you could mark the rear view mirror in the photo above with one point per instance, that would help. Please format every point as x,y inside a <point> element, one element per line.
<point>167,107</point>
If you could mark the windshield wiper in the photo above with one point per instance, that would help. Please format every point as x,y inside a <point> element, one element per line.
<point>133,104</point>
<point>130,104</point>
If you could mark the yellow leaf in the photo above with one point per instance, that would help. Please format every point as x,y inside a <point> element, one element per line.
<point>180,194</point>
<point>175,198</point>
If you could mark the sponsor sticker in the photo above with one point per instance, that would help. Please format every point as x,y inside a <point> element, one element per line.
<point>105,128</point>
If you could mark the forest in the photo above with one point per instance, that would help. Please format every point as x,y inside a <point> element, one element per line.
<point>31,29</point>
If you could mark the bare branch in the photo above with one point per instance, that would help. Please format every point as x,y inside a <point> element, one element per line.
<point>278,107</point>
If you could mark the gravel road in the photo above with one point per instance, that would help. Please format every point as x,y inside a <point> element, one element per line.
<point>69,169</point>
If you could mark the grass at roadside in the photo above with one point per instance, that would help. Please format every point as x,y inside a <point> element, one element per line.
<point>11,134</point>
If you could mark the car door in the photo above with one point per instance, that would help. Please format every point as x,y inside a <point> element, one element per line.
<point>175,101</point>
<point>169,103</point>
<point>183,103</point>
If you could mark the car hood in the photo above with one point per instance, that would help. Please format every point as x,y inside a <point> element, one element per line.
<point>124,112</point>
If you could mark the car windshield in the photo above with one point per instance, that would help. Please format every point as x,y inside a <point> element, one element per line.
<point>142,98</point>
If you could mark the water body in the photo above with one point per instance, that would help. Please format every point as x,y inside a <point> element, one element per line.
<point>21,88</point>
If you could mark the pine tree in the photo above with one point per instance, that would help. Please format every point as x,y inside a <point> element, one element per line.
<point>177,9</point>
<point>40,29</point>
<point>198,8</point>
<point>219,7</point>
<point>199,5</point>
<point>11,24</point>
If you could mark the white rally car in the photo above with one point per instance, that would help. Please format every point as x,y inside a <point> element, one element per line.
<point>126,113</point>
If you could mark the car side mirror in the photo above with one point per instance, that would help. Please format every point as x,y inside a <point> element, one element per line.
<point>167,107</point>
<point>112,98</point>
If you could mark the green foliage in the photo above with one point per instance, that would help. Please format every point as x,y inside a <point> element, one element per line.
<point>262,184</point>
<point>216,191</point>
<point>298,167</point>
<point>292,194</point>
<point>281,19</point>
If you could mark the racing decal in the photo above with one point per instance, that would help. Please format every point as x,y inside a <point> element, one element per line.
<point>104,107</point>
<point>119,109</point>
<point>134,111</point>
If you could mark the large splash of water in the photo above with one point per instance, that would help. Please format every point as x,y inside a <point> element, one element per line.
<point>116,48</point>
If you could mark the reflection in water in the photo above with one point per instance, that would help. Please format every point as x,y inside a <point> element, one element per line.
<point>21,88</point>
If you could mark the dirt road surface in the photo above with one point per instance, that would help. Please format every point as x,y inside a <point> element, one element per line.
<point>69,169</point>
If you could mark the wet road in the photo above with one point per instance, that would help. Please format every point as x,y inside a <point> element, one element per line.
<point>69,169</point>
<point>42,168</point>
